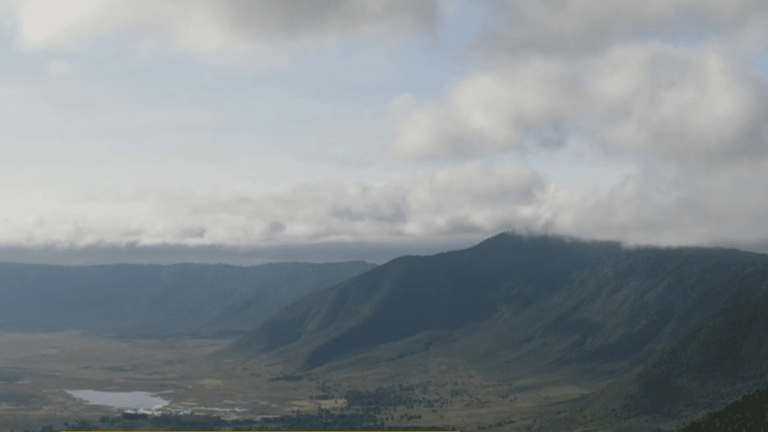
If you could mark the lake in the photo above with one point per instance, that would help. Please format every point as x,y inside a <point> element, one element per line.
<point>136,400</point>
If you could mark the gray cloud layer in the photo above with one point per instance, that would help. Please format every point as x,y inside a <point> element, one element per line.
<point>573,27</point>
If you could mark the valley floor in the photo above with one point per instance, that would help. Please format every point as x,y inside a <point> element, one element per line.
<point>38,369</point>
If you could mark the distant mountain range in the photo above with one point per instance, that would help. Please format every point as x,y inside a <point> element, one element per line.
<point>677,327</point>
<point>156,301</point>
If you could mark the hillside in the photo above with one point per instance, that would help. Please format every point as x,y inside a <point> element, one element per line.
<point>675,330</point>
<point>720,359</point>
<point>412,294</point>
<point>191,300</point>
<point>603,302</point>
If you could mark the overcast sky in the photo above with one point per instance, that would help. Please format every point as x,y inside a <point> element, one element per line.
<point>246,131</point>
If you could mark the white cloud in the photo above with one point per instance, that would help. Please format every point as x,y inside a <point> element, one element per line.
<point>658,204</point>
<point>666,86</point>
<point>42,23</point>
<point>210,26</point>
<point>685,104</point>
<point>669,206</point>
<point>477,197</point>
<point>487,112</point>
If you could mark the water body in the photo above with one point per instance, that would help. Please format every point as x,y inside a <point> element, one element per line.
<point>136,401</point>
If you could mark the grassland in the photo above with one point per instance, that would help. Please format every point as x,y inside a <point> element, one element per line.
<point>37,368</point>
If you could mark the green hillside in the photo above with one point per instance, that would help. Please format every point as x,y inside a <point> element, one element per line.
<point>662,335</point>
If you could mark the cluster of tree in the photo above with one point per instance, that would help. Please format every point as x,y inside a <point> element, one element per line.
<point>287,378</point>
<point>388,396</point>
<point>391,396</point>
<point>322,420</point>
<point>132,421</point>
<point>750,413</point>
<point>329,420</point>
<point>499,423</point>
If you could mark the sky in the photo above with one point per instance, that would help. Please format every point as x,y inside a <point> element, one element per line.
<point>239,131</point>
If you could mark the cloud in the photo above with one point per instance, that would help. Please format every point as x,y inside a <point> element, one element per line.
<point>478,197</point>
<point>578,26</point>
<point>210,26</point>
<point>471,198</point>
<point>474,197</point>
<point>646,99</point>
<point>684,104</point>
<point>668,206</point>
<point>664,86</point>
<point>667,86</point>
<point>487,112</point>
<point>650,207</point>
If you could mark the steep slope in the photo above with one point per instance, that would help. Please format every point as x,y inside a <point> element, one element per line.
<point>514,300</point>
<point>719,359</point>
<point>155,300</point>
<point>410,295</point>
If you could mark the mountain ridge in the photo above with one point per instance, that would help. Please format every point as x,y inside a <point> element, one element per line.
<point>148,300</point>
<point>514,302</point>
